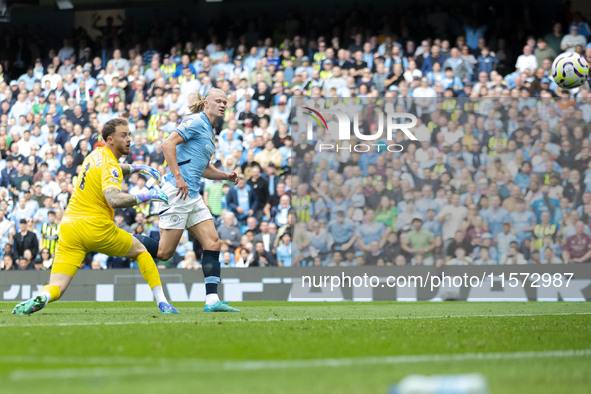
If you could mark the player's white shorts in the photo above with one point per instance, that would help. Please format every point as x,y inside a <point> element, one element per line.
<point>181,214</point>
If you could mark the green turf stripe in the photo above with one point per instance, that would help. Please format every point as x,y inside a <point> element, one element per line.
<point>244,319</point>
<point>168,366</point>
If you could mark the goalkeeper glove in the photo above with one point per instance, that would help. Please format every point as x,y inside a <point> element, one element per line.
<point>147,170</point>
<point>151,195</point>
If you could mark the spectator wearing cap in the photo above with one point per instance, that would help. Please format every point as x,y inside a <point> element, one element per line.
<point>326,72</point>
<point>239,69</point>
<point>67,51</point>
<point>306,67</point>
<point>24,240</point>
<point>89,80</point>
<point>272,178</point>
<point>167,68</point>
<point>67,67</point>
<point>570,41</point>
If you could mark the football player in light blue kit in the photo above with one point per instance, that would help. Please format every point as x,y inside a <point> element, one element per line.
<point>188,151</point>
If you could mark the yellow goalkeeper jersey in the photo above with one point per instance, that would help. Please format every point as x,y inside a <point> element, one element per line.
<point>100,171</point>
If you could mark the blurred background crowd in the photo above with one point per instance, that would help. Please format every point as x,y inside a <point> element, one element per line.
<point>500,174</point>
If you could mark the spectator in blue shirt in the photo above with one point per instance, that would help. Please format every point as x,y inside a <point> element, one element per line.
<point>431,224</point>
<point>495,216</point>
<point>287,251</point>
<point>486,62</point>
<point>523,176</point>
<point>523,221</point>
<point>370,231</point>
<point>342,231</point>
<point>242,200</point>
<point>433,57</point>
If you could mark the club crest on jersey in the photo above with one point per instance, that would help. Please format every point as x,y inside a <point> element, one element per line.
<point>115,173</point>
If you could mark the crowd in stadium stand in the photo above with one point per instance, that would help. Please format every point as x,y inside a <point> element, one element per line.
<point>501,176</point>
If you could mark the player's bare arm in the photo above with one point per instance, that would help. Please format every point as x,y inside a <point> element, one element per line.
<point>169,150</point>
<point>118,199</point>
<point>213,173</point>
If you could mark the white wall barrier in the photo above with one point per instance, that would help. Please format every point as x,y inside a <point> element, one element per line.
<point>483,283</point>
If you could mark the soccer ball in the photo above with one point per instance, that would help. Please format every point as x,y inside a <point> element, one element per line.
<point>570,70</point>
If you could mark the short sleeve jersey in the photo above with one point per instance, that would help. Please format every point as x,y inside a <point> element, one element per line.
<point>100,171</point>
<point>194,154</point>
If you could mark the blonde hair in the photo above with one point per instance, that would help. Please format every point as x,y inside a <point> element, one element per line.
<point>199,104</point>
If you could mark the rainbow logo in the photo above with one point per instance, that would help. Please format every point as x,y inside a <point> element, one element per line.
<point>317,117</point>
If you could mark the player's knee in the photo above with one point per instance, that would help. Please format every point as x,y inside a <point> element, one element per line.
<point>139,248</point>
<point>213,244</point>
<point>164,255</point>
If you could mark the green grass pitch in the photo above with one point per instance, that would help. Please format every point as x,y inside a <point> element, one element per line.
<point>280,347</point>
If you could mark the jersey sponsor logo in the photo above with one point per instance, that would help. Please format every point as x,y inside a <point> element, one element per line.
<point>115,173</point>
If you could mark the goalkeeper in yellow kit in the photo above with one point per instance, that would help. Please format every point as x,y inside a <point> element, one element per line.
<point>88,224</point>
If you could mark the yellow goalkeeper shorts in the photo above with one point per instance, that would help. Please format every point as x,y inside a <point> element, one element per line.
<point>79,236</point>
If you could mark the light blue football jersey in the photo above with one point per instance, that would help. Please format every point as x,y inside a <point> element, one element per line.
<point>194,154</point>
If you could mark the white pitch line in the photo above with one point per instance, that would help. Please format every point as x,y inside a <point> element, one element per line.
<point>168,366</point>
<point>173,320</point>
<point>47,360</point>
